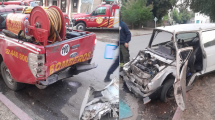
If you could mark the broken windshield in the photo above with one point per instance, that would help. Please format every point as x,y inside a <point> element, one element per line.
<point>162,44</point>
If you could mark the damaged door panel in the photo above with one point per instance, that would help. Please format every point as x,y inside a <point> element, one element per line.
<point>97,103</point>
<point>180,81</point>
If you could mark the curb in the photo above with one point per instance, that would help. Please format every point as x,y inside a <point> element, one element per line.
<point>13,108</point>
<point>177,115</point>
<point>107,40</point>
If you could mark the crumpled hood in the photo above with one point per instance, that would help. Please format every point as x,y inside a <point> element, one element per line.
<point>80,15</point>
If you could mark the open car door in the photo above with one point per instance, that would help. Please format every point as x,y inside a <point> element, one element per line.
<point>182,58</point>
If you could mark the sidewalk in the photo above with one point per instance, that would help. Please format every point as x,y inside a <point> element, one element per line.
<point>6,114</point>
<point>200,100</point>
<point>9,111</point>
<point>112,35</point>
<point>140,32</point>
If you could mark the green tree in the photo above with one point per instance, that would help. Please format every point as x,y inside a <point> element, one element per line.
<point>176,16</point>
<point>203,6</point>
<point>185,15</point>
<point>161,7</point>
<point>136,12</point>
<point>166,18</point>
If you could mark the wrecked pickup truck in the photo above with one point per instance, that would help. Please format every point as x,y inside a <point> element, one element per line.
<point>46,52</point>
<point>175,57</point>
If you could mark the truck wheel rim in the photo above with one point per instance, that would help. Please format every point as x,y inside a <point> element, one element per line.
<point>8,76</point>
<point>80,27</point>
<point>170,92</point>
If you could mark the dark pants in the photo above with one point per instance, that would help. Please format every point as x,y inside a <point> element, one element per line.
<point>124,54</point>
<point>114,66</point>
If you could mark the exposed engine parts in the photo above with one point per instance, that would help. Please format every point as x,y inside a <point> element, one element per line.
<point>143,68</point>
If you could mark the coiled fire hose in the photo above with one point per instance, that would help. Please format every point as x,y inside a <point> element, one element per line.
<point>55,23</point>
<point>54,19</point>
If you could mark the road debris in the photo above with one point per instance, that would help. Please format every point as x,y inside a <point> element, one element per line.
<point>98,103</point>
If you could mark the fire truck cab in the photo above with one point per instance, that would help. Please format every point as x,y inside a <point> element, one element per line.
<point>104,16</point>
<point>21,2</point>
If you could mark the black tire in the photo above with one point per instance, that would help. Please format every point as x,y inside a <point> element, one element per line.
<point>9,81</point>
<point>81,26</point>
<point>167,92</point>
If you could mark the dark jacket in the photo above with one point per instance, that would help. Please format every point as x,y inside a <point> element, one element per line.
<point>125,34</point>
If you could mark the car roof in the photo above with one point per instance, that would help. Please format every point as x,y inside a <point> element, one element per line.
<point>187,27</point>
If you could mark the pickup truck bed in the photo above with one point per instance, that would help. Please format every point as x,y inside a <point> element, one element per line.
<point>30,63</point>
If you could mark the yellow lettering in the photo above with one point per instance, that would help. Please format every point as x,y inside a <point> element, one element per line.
<point>64,64</point>
<point>11,52</point>
<point>80,58</point>
<point>7,51</point>
<point>26,59</point>
<point>52,69</point>
<point>75,60</point>
<point>16,55</point>
<point>85,57</point>
<point>89,55</point>
<point>57,67</point>
<point>70,61</point>
<point>21,56</point>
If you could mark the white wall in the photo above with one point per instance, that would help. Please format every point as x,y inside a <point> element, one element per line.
<point>201,18</point>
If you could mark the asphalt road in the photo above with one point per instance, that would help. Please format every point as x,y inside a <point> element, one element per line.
<point>141,42</point>
<point>156,109</point>
<point>61,100</point>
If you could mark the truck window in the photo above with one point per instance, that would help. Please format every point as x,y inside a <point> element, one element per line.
<point>3,21</point>
<point>101,11</point>
<point>186,36</point>
<point>208,38</point>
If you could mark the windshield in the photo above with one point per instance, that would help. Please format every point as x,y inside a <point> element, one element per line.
<point>162,44</point>
<point>34,3</point>
<point>3,21</point>
<point>186,39</point>
<point>161,37</point>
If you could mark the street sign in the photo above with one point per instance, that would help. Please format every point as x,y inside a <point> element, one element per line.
<point>155,19</point>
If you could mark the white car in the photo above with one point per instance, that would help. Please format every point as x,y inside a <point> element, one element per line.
<point>175,57</point>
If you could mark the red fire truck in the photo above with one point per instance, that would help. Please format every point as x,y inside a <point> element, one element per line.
<point>104,16</point>
<point>50,52</point>
<point>20,2</point>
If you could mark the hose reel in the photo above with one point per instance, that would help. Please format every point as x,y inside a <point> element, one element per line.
<point>47,25</point>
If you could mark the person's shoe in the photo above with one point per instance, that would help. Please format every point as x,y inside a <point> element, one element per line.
<point>107,78</point>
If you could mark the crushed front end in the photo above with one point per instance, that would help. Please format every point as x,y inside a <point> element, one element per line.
<point>144,75</point>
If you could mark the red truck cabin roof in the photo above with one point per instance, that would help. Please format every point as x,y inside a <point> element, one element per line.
<point>8,8</point>
<point>11,3</point>
<point>108,5</point>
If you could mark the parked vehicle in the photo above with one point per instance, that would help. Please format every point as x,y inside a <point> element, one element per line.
<point>175,57</point>
<point>4,10</point>
<point>50,52</point>
<point>104,16</point>
<point>21,2</point>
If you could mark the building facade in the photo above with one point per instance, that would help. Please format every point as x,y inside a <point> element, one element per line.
<point>201,18</point>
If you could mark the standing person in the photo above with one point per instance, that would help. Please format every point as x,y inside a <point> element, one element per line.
<point>125,37</point>
<point>112,69</point>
